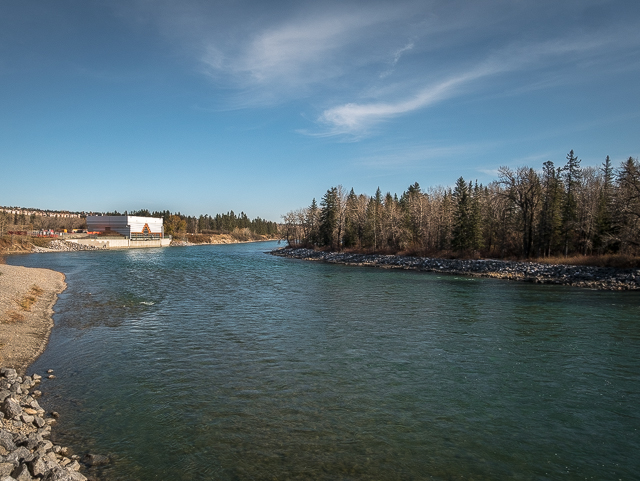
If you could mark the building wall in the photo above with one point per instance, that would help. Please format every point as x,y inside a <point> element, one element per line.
<point>125,225</point>
<point>122,243</point>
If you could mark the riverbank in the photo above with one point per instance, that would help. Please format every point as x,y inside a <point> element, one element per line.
<point>601,278</point>
<point>27,297</point>
<point>219,239</point>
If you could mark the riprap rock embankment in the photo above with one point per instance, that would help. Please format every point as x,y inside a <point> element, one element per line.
<point>581,276</point>
<point>25,452</point>
<point>64,246</point>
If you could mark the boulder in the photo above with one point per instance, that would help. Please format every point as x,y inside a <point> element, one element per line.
<point>62,474</point>
<point>9,373</point>
<point>6,469</point>
<point>6,440</point>
<point>11,408</point>
<point>38,467</point>
<point>21,473</point>
<point>27,418</point>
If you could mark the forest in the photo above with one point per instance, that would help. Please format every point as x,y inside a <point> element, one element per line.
<point>562,210</point>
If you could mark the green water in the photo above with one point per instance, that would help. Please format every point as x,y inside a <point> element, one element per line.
<point>222,362</point>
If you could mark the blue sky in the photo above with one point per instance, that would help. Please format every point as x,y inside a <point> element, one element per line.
<point>202,107</point>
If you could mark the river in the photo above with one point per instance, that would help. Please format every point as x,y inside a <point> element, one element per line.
<point>223,362</point>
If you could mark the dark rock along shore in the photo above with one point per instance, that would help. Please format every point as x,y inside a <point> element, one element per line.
<point>580,276</point>
<point>25,452</point>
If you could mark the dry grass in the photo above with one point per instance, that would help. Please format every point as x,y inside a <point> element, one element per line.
<point>618,261</point>
<point>15,316</point>
<point>27,302</point>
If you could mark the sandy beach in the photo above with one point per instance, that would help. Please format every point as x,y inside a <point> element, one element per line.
<point>27,297</point>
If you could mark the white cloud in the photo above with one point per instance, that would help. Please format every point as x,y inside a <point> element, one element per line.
<point>355,118</point>
<point>352,117</point>
<point>301,50</point>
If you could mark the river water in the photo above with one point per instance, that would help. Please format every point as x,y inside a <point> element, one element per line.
<point>223,362</point>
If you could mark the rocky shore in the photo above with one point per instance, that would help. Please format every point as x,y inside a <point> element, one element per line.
<point>64,246</point>
<point>580,276</point>
<point>26,453</point>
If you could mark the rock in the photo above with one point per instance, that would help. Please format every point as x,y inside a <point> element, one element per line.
<point>7,478</point>
<point>51,376</point>
<point>6,469</point>
<point>36,393</point>
<point>4,394</point>
<point>38,467</point>
<point>30,411</point>
<point>11,408</point>
<point>21,473</point>
<point>9,373</point>
<point>55,414</point>
<point>20,439</point>
<point>46,445</point>
<point>27,418</point>
<point>6,440</point>
<point>34,440</point>
<point>63,474</point>
<point>21,453</point>
<point>95,460</point>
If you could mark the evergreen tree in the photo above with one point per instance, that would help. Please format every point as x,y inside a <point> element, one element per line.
<point>550,223</point>
<point>571,174</point>
<point>465,225</point>
<point>604,215</point>
<point>350,238</point>
<point>329,219</point>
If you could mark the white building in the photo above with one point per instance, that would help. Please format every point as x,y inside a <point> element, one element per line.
<point>131,226</point>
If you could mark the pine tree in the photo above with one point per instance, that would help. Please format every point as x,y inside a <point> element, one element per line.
<point>350,238</point>
<point>604,215</point>
<point>464,222</point>
<point>571,174</point>
<point>329,219</point>
<point>549,226</point>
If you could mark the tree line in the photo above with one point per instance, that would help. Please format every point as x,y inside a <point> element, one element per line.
<point>174,223</point>
<point>564,210</point>
<point>179,224</point>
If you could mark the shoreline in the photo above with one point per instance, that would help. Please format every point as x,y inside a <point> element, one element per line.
<point>27,297</point>
<point>600,278</point>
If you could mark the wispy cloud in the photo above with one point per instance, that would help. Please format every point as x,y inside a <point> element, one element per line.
<point>396,57</point>
<point>355,118</point>
<point>300,51</point>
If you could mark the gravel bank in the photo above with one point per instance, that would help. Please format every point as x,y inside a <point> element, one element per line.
<point>27,296</point>
<point>579,276</point>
